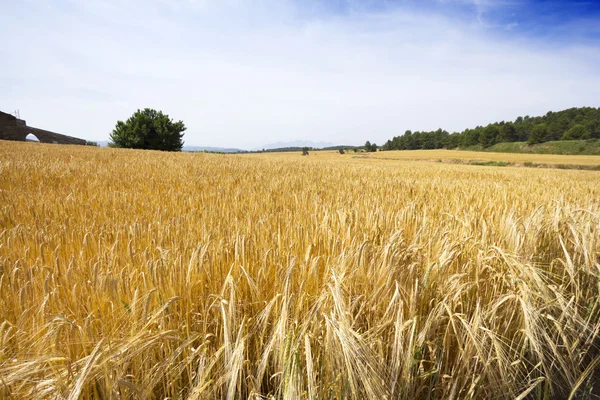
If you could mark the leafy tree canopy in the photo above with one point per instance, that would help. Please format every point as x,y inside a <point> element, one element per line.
<point>370,147</point>
<point>538,134</point>
<point>576,132</point>
<point>489,135</point>
<point>149,129</point>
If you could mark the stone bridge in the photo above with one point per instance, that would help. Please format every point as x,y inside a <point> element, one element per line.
<point>12,128</point>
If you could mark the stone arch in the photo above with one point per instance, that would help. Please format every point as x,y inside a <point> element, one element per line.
<point>30,137</point>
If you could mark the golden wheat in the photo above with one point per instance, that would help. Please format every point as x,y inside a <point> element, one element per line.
<point>132,274</point>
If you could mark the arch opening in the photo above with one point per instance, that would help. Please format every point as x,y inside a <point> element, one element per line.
<point>31,138</point>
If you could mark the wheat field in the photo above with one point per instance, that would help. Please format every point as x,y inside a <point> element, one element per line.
<point>135,274</point>
<point>520,158</point>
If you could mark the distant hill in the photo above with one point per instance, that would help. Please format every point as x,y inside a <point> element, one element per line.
<point>213,149</point>
<point>295,144</point>
<point>568,125</point>
<point>293,149</point>
<point>273,147</point>
<point>104,143</point>
<point>341,147</point>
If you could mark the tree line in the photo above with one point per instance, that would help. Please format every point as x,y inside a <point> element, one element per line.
<point>571,124</point>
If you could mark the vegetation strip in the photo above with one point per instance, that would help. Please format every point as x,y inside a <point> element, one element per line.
<point>489,163</point>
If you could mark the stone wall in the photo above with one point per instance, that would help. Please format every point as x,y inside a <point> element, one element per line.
<point>12,128</point>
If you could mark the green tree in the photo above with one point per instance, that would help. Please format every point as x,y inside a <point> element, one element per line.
<point>305,151</point>
<point>370,147</point>
<point>451,141</point>
<point>148,129</point>
<point>508,133</point>
<point>489,136</point>
<point>576,132</point>
<point>538,134</point>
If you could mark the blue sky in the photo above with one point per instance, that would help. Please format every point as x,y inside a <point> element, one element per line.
<point>247,73</point>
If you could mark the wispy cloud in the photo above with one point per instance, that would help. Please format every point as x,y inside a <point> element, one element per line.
<point>242,74</point>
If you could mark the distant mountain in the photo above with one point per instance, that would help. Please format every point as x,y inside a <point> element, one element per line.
<point>282,146</point>
<point>104,143</point>
<point>341,147</point>
<point>296,143</point>
<point>212,149</point>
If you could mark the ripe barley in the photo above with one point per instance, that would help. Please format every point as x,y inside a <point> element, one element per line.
<point>151,275</point>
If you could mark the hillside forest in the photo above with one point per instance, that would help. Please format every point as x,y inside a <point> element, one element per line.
<point>571,124</point>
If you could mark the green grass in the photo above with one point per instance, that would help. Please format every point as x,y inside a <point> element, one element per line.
<point>567,147</point>
<point>491,163</point>
<point>536,165</point>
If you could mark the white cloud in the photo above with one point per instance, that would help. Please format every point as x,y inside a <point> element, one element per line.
<point>242,76</point>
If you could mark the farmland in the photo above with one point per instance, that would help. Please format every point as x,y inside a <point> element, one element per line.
<point>141,274</point>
